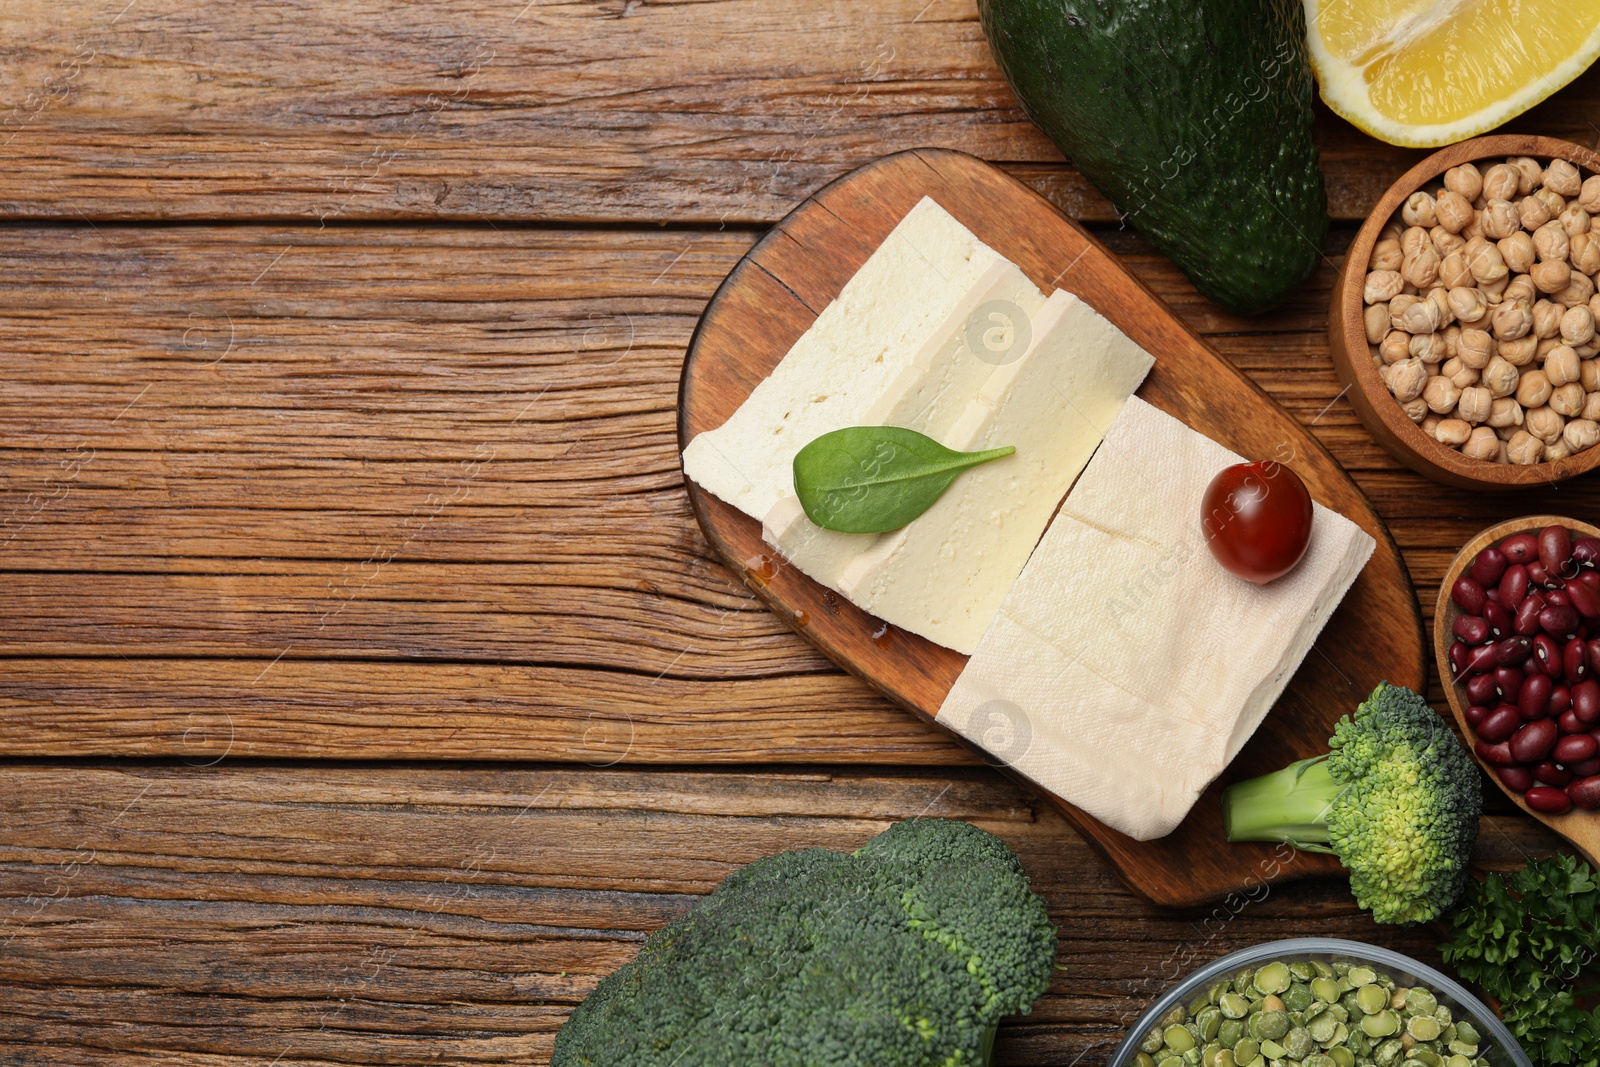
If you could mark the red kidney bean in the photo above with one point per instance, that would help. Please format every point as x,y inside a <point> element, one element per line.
<point>1590,579</point>
<point>1499,620</point>
<point>1570,723</point>
<point>1526,622</point>
<point>1533,699</point>
<point>1586,550</point>
<point>1586,702</point>
<point>1469,595</point>
<point>1559,622</point>
<point>1492,594</point>
<point>1548,800</point>
<point>1585,792</point>
<point>1585,768</point>
<point>1482,690</point>
<point>1501,723</point>
<point>1516,779</point>
<point>1514,650</point>
<point>1552,773</point>
<point>1508,680</point>
<point>1575,661</point>
<point>1489,566</point>
<point>1475,714</point>
<point>1533,742</point>
<point>1539,575</point>
<point>1520,548</point>
<point>1585,601</point>
<point>1475,660</point>
<point>1560,698</point>
<point>1574,748</point>
<point>1555,548</point>
<point>1495,755</point>
<point>1471,629</point>
<point>1545,652</point>
<point>1594,651</point>
<point>1557,598</point>
<point>1513,587</point>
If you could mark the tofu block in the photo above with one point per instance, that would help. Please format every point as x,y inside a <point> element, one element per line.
<point>894,306</point>
<point>932,396</point>
<point>944,576</point>
<point>1126,668</point>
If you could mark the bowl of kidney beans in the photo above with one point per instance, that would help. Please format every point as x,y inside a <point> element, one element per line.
<point>1518,633</point>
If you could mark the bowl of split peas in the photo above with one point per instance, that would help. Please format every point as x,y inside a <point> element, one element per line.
<point>1318,1002</point>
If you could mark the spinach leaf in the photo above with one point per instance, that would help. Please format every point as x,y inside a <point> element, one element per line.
<point>870,479</point>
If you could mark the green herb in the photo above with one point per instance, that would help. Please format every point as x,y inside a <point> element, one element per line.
<point>1531,943</point>
<point>870,479</point>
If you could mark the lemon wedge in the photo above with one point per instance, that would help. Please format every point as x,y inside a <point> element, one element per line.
<point>1423,73</point>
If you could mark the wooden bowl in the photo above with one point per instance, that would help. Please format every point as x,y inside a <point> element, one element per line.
<point>1352,355</point>
<point>1578,826</point>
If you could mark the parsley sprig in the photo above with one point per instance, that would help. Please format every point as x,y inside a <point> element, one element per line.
<point>1532,943</point>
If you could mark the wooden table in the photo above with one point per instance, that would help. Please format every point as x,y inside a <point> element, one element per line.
<point>367,690</point>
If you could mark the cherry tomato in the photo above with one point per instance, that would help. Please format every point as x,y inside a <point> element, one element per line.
<point>1257,520</point>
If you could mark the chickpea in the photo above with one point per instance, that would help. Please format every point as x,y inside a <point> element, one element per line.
<point>1591,407</point>
<point>1500,182</point>
<point>1519,352</point>
<point>1500,219</point>
<point>1574,220</point>
<point>1532,213</point>
<point>1504,411</point>
<point>1550,241</point>
<point>1418,210</point>
<point>1562,366</point>
<point>1577,325</point>
<point>1580,291</point>
<point>1511,320</point>
<point>1544,423</point>
<point>1545,347</point>
<point>1483,260</point>
<point>1376,319</point>
<point>1395,347</point>
<point>1547,318</point>
<point>1452,342</point>
<point>1474,405</point>
<point>1445,242</point>
<point>1382,285</point>
<point>1467,183</point>
<point>1453,272</point>
<point>1386,255</point>
<point>1529,173</point>
<point>1428,347</point>
<point>1551,276</point>
<point>1567,400</point>
<point>1589,375</point>
<point>1520,288</point>
<point>1440,392</point>
<point>1430,422</point>
<point>1562,177</point>
<point>1517,251</point>
<point>1452,432</point>
<point>1524,448</point>
<point>1475,348</point>
<point>1534,389</point>
<point>1422,269</point>
<point>1580,434</point>
<point>1552,201</point>
<point>1584,251</point>
<point>1407,379</point>
<point>1588,196</point>
<point>1469,305</point>
<point>1557,449</point>
<point>1500,377</point>
<point>1482,444</point>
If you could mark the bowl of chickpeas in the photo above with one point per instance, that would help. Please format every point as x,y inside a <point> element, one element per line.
<point>1464,319</point>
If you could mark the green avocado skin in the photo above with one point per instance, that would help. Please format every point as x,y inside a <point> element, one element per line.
<point>1192,116</point>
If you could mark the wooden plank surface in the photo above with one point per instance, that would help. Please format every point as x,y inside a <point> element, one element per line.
<point>280,491</point>
<point>726,111</point>
<point>241,916</point>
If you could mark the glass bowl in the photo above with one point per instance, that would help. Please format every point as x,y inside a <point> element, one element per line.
<point>1498,1046</point>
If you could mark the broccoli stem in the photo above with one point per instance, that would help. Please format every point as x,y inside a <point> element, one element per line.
<point>1290,805</point>
<point>986,1056</point>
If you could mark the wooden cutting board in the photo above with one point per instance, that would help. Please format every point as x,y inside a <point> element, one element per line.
<point>775,293</point>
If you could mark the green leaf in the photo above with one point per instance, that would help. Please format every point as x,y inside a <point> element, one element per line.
<point>871,479</point>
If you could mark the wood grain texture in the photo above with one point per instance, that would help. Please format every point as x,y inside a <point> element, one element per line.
<point>774,295</point>
<point>551,110</point>
<point>176,514</point>
<point>415,914</point>
<point>1353,355</point>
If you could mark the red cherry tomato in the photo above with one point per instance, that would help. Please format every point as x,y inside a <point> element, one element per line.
<point>1257,520</point>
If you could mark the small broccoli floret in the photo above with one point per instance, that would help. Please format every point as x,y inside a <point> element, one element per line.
<point>1397,799</point>
<point>903,954</point>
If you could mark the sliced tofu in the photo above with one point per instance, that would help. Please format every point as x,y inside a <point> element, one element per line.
<point>1126,668</point>
<point>945,575</point>
<point>934,396</point>
<point>894,306</point>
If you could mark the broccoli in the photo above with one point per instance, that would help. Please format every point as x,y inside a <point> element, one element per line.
<point>1397,800</point>
<point>905,953</point>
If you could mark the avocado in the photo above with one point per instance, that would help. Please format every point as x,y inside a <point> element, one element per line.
<point>1192,116</point>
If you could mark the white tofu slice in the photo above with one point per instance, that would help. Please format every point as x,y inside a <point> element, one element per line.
<point>945,575</point>
<point>932,396</point>
<point>1126,667</point>
<point>839,368</point>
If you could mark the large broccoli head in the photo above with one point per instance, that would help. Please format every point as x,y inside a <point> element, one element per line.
<point>905,953</point>
<point>1397,799</point>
